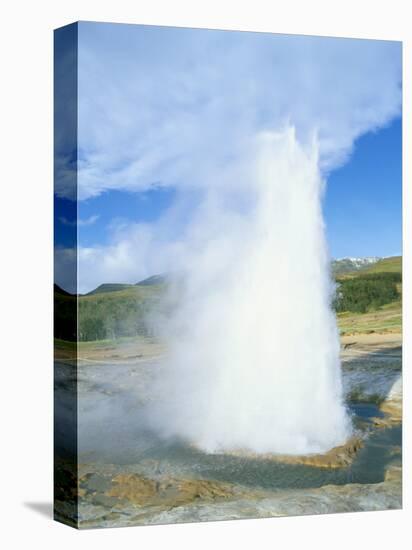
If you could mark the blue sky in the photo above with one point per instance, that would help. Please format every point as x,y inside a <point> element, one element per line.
<point>170,118</point>
<point>362,204</point>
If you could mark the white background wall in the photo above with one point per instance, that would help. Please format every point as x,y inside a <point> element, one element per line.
<point>26,268</point>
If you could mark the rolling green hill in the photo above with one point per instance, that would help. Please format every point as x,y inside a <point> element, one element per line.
<point>386,265</point>
<point>115,287</point>
<point>108,287</point>
<point>153,280</point>
<point>118,313</point>
<point>107,313</point>
<point>65,312</point>
<point>373,298</point>
<point>368,296</point>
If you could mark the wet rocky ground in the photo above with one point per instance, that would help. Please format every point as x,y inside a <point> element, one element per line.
<point>128,476</point>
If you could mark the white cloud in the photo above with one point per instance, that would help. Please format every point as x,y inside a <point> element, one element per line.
<point>182,107</point>
<point>79,222</point>
<point>185,108</point>
<point>133,254</point>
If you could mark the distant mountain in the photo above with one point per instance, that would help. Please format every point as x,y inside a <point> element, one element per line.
<point>153,280</point>
<point>109,287</point>
<point>115,287</point>
<point>391,264</point>
<point>59,290</point>
<point>361,266</point>
<point>341,266</point>
<point>348,265</point>
<point>114,310</point>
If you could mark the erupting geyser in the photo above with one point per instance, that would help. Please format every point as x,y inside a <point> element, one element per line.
<point>255,347</point>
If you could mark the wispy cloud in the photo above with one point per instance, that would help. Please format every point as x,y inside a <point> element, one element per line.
<point>187,108</point>
<point>79,222</point>
<point>182,107</point>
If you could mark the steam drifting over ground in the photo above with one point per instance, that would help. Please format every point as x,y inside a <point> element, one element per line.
<point>255,349</point>
<point>254,346</point>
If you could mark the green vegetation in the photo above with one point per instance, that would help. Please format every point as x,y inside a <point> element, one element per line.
<point>107,314</point>
<point>109,287</point>
<point>367,292</point>
<point>65,312</point>
<point>387,318</point>
<point>370,299</point>
<point>346,267</point>
<point>386,265</point>
<point>372,288</point>
<point>367,300</point>
<point>116,314</point>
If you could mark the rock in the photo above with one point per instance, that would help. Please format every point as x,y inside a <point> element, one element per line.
<point>132,487</point>
<point>391,406</point>
<point>167,492</point>
<point>338,457</point>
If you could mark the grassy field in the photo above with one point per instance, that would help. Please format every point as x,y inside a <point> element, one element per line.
<point>387,265</point>
<point>116,313</point>
<point>386,318</point>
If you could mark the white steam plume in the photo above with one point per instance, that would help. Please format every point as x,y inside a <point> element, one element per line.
<point>255,348</point>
